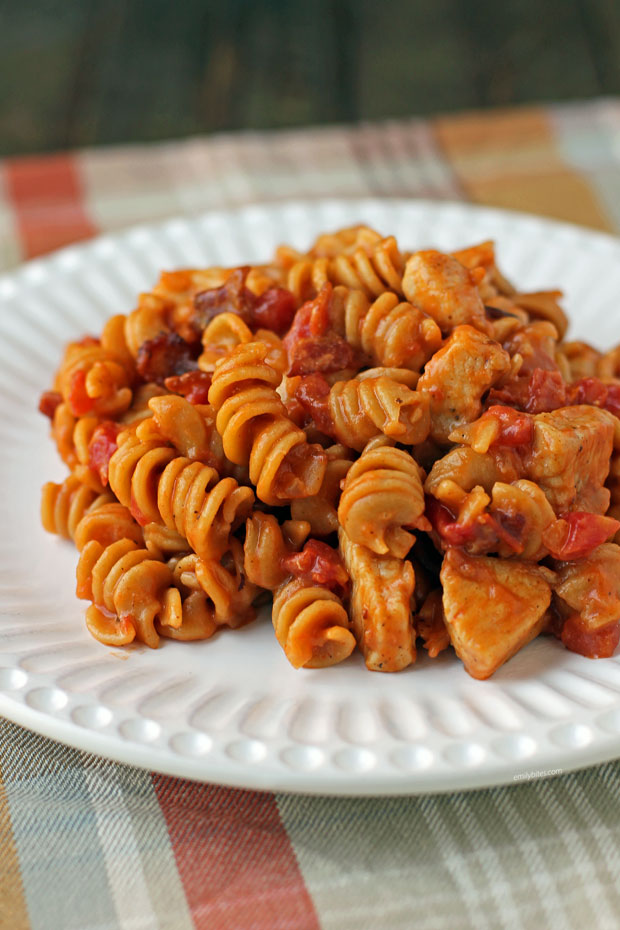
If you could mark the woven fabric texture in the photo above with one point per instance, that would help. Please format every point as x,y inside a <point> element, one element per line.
<point>87,844</point>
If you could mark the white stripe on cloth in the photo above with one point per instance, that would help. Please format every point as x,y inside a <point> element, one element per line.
<point>120,852</point>
<point>592,890</point>
<point>144,882</point>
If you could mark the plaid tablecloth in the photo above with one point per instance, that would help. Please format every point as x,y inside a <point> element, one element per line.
<point>86,844</point>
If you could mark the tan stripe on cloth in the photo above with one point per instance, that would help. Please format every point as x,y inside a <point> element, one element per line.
<point>13,912</point>
<point>511,159</point>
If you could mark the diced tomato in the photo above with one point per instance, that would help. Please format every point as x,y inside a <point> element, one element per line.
<point>612,402</point>
<point>324,354</point>
<point>516,429</point>
<point>311,320</point>
<point>192,385</point>
<point>587,391</point>
<point>274,310</point>
<point>541,392</point>
<point>79,401</point>
<point>596,392</point>
<point>313,395</point>
<point>49,403</point>
<point>575,535</point>
<point>318,563</point>
<point>102,447</point>
<point>232,297</point>
<point>594,644</point>
<point>483,534</point>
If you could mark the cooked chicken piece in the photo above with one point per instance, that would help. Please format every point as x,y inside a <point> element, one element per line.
<point>590,587</point>
<point>445,290</point>
<point>457,376</point>
<point>492,607</point>
<point>380,606</point>
<point>570,456</point>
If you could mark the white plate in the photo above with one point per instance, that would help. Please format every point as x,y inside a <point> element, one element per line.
<point>232,710</point>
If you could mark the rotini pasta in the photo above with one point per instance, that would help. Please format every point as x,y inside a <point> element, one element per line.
<point>388,445</point>
<point>255,429</point>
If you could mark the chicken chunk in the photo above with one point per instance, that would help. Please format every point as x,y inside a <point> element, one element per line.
<point>380,606</point>
<point>458,375</point>
<point>569,457</point>
<point>492,608</point>
<point>590,587</point>
<point>445,290</point>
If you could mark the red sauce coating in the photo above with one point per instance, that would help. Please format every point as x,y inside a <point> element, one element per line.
<point>318,563</point>
<point>575,535</point>
<point>49,403</point>
<point>594,644</point>
<point>102,447</point>
<point>192,385</point>
<point>77,398</point>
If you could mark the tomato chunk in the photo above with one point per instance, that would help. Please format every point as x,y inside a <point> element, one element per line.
<point>575,535</point>
<point>318,563</point>
<point>102,447</point>
<point>313,395</point>
<point>274,310</point>
<point>311,320</point>
<point>515,428</point>
<point>594,644</point>
<point>192,385</point>
<point>79,401</point>
<point>49,403</point>
<point>325,354</point>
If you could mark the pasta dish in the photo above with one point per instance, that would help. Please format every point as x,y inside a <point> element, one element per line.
<point>398,450</point>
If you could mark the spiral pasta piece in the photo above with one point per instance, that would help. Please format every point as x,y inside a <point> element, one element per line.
<point>227,330</point>
<point>255,430</point>
<point>160,486</point>
<point>107,521</point>
<point>365,264</point>
<point>382,494</point>
<point>361,409</point>
<point>129,589</point>
<point>320,511</point>
<point>311,625</point>
<point>190,428</point>
<point>92,379</point>
<point>64,505</point>
<point>390,331</point>
<point>214,593</point>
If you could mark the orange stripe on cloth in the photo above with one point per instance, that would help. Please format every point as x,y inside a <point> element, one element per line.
<point>13,911</point>
<point>234,857</point>
<point>47,197</point>
<point>509,158</point>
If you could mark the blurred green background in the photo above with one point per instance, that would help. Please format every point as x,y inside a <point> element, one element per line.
<point>86,72</point>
